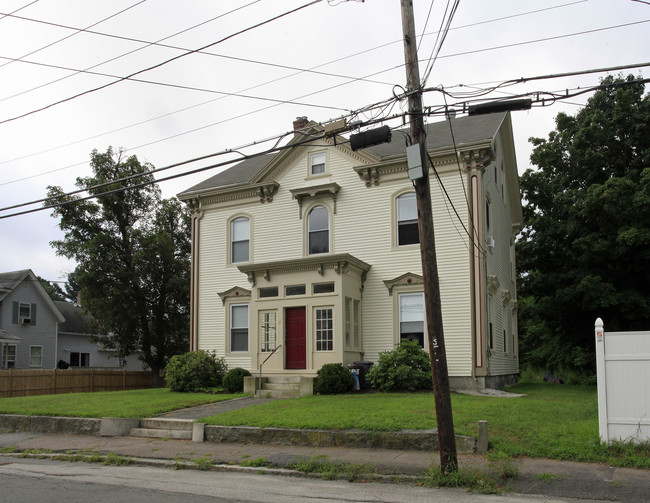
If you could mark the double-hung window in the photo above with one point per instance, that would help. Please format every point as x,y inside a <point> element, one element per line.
<point>35,356</point>
<point>411,317</point>
<point>240,240</point>
<point>317,163</point>
<point>407,220</point>
<point>239,328</point>
<point>9,356</point>
<point>319,233</point>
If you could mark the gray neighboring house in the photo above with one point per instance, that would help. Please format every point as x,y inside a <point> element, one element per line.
<point>29,322</point>
<point>76,348</point>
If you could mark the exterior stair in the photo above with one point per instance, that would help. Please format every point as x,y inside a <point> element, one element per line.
<point>281,387</point>
<point>180,429</point>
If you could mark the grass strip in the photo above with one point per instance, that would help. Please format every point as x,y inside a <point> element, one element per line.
<point>133,404</point>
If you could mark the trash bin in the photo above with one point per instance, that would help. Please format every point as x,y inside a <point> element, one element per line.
<point>363,367</point>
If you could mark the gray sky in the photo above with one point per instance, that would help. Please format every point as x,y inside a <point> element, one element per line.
<point>322,61</point>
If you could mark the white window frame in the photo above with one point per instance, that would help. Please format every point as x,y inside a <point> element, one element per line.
<point>405,221</point>
<point>5,356</point>
<point>316,160</point>
<point>232,327</point>
<point>401,319</point>
<point>80,358</point>
<point>39,356</point>
<point>268,320</point>
<point>232,242</point>
<point>318,230</point>
<point>324,334</point>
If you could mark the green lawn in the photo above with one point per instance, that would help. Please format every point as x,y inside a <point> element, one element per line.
<point>134,404</point>
<point>559,422</point>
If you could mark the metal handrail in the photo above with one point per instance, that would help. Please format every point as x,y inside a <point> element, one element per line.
<point>261,364</point>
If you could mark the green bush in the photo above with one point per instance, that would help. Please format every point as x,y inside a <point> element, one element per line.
<point>407,367</point>
<point>195,371</point>
<point>233,381</point>
<point>333,378</point>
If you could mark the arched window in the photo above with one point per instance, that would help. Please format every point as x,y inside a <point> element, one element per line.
<point>407,220</point>
<point>240,240</point>
<point>319,230</point>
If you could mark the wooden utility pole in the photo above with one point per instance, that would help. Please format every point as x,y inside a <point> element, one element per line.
<point>433,310</point>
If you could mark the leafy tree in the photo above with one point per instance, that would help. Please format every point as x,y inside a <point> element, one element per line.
<point>584,250</point>
<point>53,290</point>
<point>133,253</point>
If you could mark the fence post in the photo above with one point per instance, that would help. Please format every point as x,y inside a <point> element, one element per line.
<point>54,380</point>
<point>601,380</point>
<point>11,383</point>
<point>124,378</point>
<point>92,380</point>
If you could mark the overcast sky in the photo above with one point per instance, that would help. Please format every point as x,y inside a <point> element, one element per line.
<point>322,61</point>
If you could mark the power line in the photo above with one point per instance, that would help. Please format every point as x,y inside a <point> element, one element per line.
<point>158,65</point>
<point>250,88</point>
<point>175,86</point>
<point>80,30</point>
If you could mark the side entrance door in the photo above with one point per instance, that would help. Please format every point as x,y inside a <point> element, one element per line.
<point>296,338</point>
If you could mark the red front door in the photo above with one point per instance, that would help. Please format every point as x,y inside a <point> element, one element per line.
<point>296,338</point>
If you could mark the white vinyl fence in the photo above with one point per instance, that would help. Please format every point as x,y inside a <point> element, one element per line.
<point>623,366</point>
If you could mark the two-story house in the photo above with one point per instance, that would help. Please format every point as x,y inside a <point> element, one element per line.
<point>30,318</point>
<point>314,252</point>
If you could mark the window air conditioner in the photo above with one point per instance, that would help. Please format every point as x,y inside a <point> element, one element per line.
<point>24,320</point>
<point>490,242</point>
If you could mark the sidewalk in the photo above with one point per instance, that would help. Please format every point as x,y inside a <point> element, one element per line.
<point>535,476</point>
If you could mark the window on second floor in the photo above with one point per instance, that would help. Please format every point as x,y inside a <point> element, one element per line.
<point>407,220</point>
<point>240,240</point>
<point>319,233</point>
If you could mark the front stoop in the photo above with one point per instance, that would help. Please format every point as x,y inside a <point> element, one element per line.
<point>180,429</point>
<point>279,386</point>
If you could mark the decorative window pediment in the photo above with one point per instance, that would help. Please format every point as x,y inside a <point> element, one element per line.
<point>235,292</point>
<point>330,189</point>
<point>403,280</point>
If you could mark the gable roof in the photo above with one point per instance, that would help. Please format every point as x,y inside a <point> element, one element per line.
<point>77,319</point>
<point>466,131</point>
<point>9,281</point>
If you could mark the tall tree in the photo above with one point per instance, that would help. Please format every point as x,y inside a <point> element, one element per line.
<point>584,250</point>
<point>133,254</point>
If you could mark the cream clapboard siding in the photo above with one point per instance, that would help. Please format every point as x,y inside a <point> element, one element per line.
<point>499,263</point>
<point>362,226</point>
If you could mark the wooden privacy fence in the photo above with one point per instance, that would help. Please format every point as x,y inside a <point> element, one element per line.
<point>19,382</point>
<point>623,366</point>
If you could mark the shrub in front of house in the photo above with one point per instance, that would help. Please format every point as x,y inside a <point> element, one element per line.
<point>195,371</point>
<point>233,381</point>
<point>407,367</point>
<point>332,379</point>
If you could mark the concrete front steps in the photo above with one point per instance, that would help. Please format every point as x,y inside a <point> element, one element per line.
<point>279,386</point>
<point>180,429</point>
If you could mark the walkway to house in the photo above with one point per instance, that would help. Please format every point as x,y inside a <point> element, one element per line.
<point>212,409</point>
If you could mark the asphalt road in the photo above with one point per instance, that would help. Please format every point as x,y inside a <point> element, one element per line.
<point>55,481</point>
